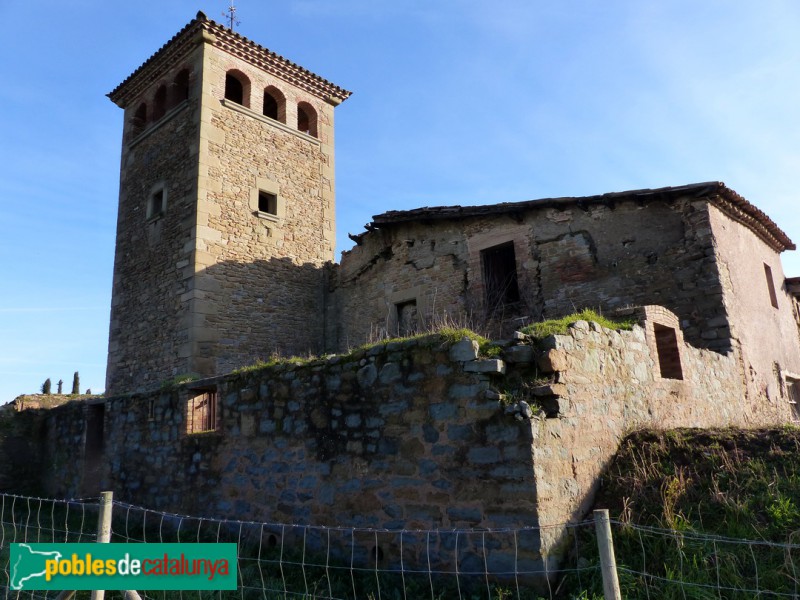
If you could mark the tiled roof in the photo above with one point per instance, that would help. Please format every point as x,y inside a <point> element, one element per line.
<point>233,43</point>
<point>727,200</point>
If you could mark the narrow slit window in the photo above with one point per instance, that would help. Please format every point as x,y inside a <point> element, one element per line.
<point>202,412</point>
<point>773,297</point>
<point>500,276</point>
<point>267,203</point>
<point>669,355</point>
<point>156,205</point>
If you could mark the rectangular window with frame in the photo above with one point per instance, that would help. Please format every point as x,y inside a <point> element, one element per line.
<point>267,203</point>
<point>773,297</point>
<point>156,203</point>
<point>202,414</point>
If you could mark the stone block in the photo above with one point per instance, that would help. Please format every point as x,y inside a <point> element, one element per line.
<point>553,360</point>
<point>463,351</point>
<point>518,354</point>
<point>390,372</point>
<point>443,410</point>
<point>484,455</point>
<point>493,365</point>
<point>367,375</point>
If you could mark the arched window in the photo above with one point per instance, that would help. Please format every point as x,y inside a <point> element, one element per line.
<point>307,119</point>
<point>180,88</point>
<point>160,103</point>
<point>237,88</point>
<point>274,104</point>
<point>139,120</point>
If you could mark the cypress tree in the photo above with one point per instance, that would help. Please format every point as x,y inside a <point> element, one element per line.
<point>46,387</point>
<point>76,383</point>
<point>60,386</point>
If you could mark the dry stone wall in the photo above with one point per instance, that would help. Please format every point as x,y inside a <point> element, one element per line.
<point>412,434</point>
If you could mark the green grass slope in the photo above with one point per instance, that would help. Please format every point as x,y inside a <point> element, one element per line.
<point>684,499</point>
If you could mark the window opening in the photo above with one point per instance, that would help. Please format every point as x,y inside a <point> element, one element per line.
<point>160,103</point>
<point>669,355</point>
<point>202,412</point>
<point>139,119</point>
<point>151,410</point>
<point>406,318</point>
<point>267,203</point>
<point>793,390</point>
<point>306,119</point>
<point>180,87</point>
<point>236,88</point>
<point>156,207</point>
<point>270,106</point>
<point>500,275</point>
<point>95,426</point>
<point>773,297</point>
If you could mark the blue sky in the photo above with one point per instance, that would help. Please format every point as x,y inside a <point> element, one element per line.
<point>455,102</point>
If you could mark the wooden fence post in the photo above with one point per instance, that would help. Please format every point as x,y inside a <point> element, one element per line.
<point>104,529</point>
<point>608,563</point>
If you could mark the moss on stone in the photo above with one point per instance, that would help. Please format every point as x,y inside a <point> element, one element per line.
<point>560,326</point>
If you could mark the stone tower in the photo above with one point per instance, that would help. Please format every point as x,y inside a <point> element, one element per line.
<point>226,209</point>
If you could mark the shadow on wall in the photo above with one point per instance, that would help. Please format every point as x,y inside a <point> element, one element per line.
<point>226,316</point>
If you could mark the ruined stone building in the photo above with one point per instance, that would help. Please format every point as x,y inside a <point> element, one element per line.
<point>224,255</point>
<point>226,232</point>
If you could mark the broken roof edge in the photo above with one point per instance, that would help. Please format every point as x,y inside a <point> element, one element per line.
<point>233,43</point>
<point>724,198</point>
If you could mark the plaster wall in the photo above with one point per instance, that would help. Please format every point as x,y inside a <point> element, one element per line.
<point>767,334</point>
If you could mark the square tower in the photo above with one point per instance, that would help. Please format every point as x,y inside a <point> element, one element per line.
<point>226,209</point>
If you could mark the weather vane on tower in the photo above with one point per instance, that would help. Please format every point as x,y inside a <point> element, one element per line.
<point>230,15</point>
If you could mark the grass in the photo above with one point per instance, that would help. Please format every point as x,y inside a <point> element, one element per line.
<point>560,326</point>
<point>694,484</point>
<point>445,335</point>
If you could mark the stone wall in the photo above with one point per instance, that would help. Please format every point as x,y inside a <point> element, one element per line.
<point>215,282</point>
<point>603,256</point>
<point>409,434</point>
<point>259,281</point>
<point>153,260</point>
<point>606,384</point>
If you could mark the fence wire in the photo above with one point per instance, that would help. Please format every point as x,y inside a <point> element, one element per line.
<point>287,561</point>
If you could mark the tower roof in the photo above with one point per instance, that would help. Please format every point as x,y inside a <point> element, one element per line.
<point>201,28</point>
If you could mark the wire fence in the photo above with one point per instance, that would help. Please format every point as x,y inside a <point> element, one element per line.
<point>289,561</point>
